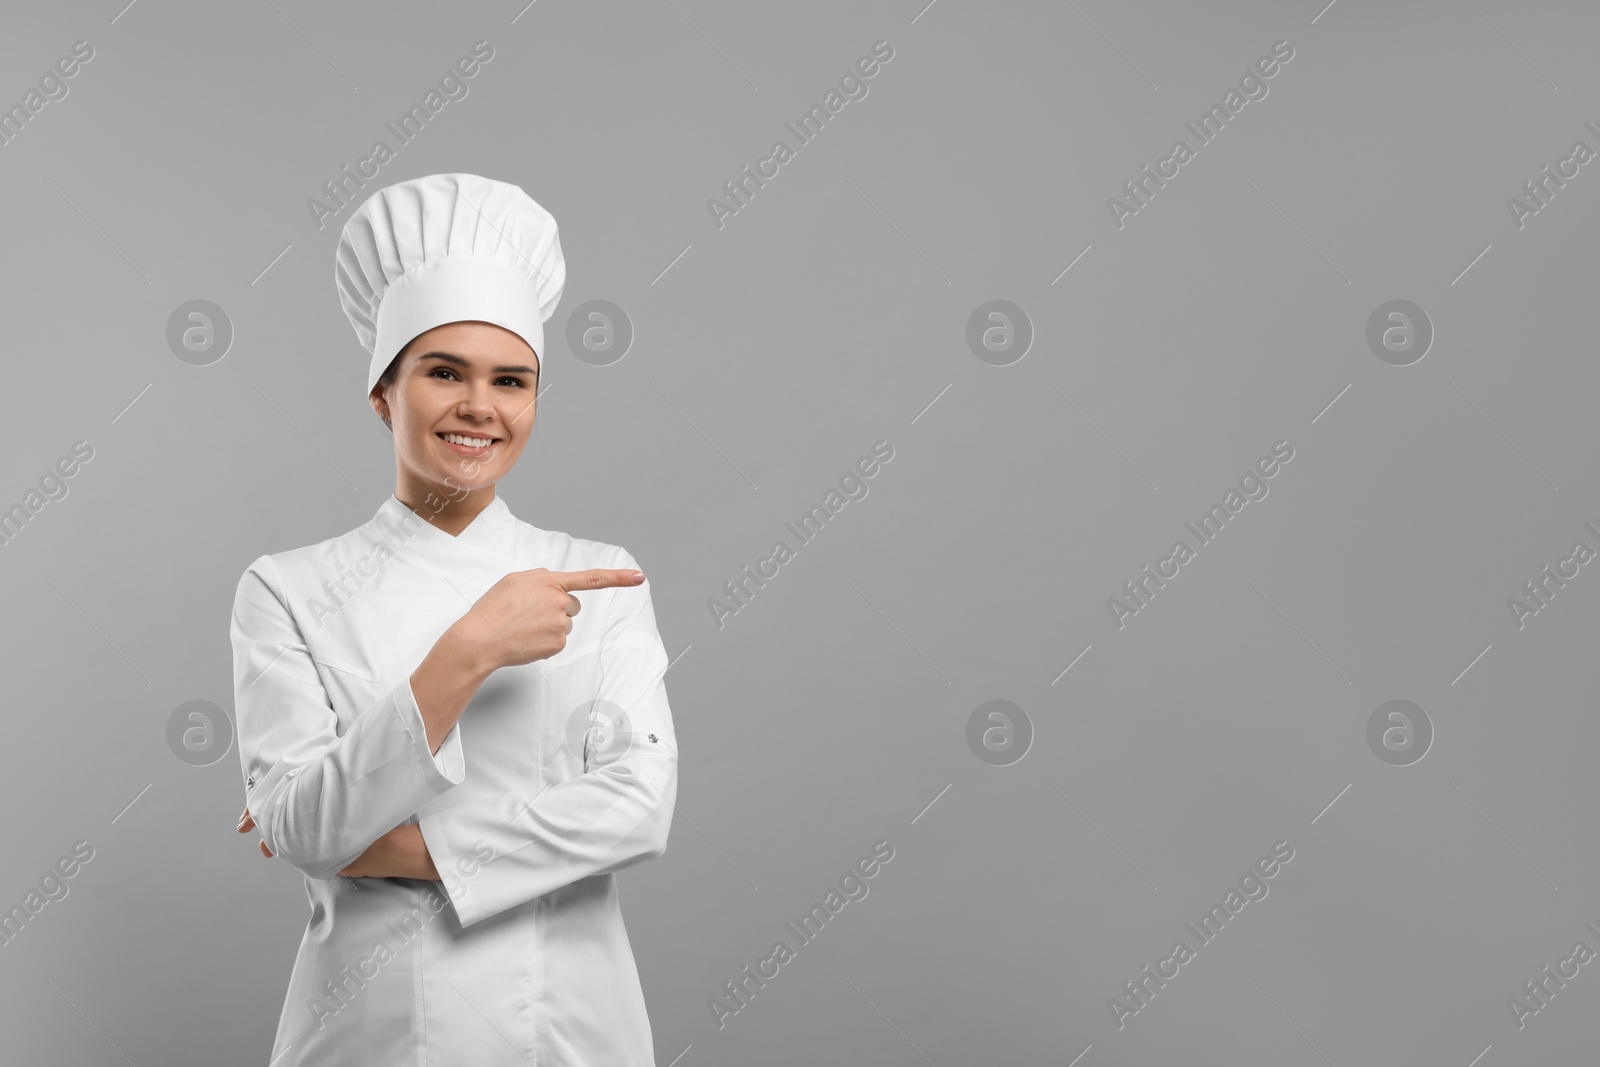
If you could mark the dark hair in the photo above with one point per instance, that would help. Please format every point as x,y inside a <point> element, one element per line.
<point>389,372</point>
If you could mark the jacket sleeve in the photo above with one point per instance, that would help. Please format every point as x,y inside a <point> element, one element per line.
<point>319,797</point>
<point>613,815</point>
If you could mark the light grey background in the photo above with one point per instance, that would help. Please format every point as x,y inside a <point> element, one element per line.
<point>828,314</point>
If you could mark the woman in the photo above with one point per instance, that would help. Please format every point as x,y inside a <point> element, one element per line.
<point>453,722</point>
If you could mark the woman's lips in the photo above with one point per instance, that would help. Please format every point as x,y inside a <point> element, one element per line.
<point>476,453</point>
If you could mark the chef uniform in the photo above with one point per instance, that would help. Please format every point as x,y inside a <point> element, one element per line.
<point>558,774</point>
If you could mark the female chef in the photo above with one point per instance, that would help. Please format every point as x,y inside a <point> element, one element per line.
<point>453,722</point>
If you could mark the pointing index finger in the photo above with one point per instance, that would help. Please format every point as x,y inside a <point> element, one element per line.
<point>597,578</point>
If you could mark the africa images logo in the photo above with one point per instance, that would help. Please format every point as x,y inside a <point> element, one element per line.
<point>852,86</point>
<point>1252,887</point>
<point>741,989</point>
<point>1252,487</point>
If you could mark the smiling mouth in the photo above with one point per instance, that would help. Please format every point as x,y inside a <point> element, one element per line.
<point>460,442</point>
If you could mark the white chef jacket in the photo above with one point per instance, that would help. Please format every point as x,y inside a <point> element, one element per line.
<point>558,774</point>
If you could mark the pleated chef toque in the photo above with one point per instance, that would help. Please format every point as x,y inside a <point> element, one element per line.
<point>447,248</point>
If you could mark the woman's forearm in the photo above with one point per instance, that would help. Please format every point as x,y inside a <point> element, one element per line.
<point>445,681</point>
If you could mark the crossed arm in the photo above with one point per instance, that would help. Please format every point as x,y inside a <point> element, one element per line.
<point>400,853</point>
<point>443,683</point>
<point>326,797</point>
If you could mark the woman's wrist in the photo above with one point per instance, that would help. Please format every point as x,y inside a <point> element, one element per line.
<point>445,681</point>
<point>463,649</point>
<point>421,859</point>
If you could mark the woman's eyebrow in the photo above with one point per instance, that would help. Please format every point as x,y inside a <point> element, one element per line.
<point>458,361</point>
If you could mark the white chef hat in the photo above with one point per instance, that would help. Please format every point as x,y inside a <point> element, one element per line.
<point>447,248</point>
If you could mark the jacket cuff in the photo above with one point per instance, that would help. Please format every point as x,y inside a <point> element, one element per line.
<point>451,866</point>
<point>443,769</point>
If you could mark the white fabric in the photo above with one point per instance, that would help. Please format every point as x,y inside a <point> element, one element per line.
<point>447,248</point>
<point>522,942</point>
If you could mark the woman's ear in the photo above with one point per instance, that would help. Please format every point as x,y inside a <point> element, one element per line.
<point>380,404</point>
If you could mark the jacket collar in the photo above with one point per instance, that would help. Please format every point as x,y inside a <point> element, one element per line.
<point>492,530</point>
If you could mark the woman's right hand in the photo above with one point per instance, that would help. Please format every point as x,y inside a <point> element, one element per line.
<point>527,615</point>
<point>246,824</point>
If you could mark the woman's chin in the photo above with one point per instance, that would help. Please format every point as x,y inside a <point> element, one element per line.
<point>457,481</point>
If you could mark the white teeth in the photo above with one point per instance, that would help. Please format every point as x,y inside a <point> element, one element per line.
<point>470,442</point>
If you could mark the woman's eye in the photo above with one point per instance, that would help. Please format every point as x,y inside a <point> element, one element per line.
<point>508,379</point>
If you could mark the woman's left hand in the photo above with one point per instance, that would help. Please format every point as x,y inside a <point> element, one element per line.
<point>400,853</point>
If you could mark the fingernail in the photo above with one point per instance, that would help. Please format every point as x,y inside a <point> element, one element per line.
<point>638,576</point>
<point>242,818</point>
